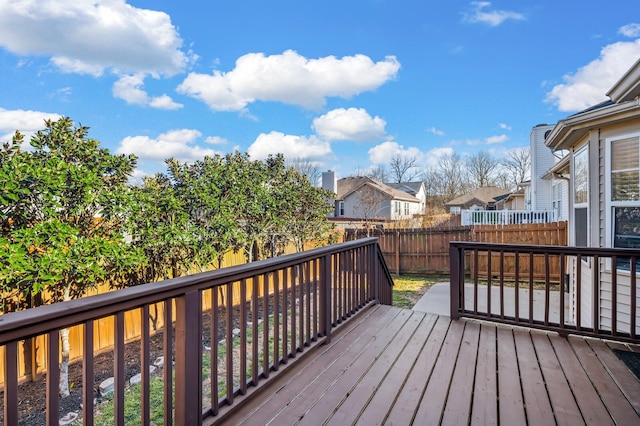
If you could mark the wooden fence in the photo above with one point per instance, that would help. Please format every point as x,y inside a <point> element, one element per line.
<point>426,251</point>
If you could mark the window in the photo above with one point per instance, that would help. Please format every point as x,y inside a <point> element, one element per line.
<point>396,207</point>
<point>341,208</point>
<point>624,194</point>
<point>557,199</point>
<point>406,209</point>
<point>581,196</point>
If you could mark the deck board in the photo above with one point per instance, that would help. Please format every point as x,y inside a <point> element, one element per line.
<point>536,398</point>
<point>485,388</point>
<point>591,407</point>
<point>407,402</point>
<point>398,367</point>
<point>510,402</point>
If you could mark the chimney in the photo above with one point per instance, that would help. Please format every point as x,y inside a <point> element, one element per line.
<point>329,181</point>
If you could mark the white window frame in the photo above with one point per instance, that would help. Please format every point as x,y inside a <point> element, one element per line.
<point>580,151</point>
<point>610,205</point>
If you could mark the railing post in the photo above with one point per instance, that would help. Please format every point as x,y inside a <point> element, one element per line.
<point>375,266</point>
<point>325,296</point>
<point>455,255</point>
<point>188,397</point>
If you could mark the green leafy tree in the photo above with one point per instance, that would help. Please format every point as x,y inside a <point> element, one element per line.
<point>302,209</point>
<point>64,205</point>
<point>207,189</point>
<point>161,229</point>
<point>253,201</point>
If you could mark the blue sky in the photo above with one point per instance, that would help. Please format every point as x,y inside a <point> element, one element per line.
<point>345,84</point>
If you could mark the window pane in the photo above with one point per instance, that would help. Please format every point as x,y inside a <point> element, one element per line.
<point>624,186</point>
<point>627,227</point>
<point>625,154</point>
<point>581,227</point>
<point>581,177</point>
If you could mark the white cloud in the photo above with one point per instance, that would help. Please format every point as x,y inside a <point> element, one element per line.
<point>433,156</point>
<point>138,177</point>
<point>588,86</point>
<point>435,131</point>
<point>216,140</point>
<point>491,18</point>
<point>491,140</point>
<point>179,144</point>
<point>289,78</point>
<point>88,37</point>
<point>129,88</point>
<point>164,102</point>
<point>630,30</point>
<point>353,124</point>
<point>291,146</point>
<point>26,121</point>
<point>383,153</point>
<point>504,126</point>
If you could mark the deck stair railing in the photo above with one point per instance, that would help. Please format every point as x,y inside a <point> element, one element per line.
<point>232,331</point>
<point>595,295</point>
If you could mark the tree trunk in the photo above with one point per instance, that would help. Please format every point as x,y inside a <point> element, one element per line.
<point>66,349</point>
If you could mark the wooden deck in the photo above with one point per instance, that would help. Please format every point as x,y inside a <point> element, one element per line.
<point>398,367</point>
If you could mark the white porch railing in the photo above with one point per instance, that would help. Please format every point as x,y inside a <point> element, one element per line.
<point>506,217</point>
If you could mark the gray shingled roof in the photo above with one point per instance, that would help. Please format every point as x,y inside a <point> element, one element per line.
<point>408,187</point>
<point>349,185</point>
<point>484,194</point>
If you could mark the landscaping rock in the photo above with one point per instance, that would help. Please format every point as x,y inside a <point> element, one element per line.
<point>138,377</point>
<point>106,387</point>
<point>159,362</point>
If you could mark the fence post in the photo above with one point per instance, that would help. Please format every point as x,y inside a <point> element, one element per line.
<point>188,397</point>
<point>398,252</point>
<point>455,256</point>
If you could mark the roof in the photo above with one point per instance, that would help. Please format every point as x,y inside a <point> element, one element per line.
<point>349,185</point>
<point>485,194</point>
<point>408,187</point>
<point>622,107</point>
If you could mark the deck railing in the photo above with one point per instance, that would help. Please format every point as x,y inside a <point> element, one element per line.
<point>505,217</point>
<point>596,295</point>
<point>232,331</point>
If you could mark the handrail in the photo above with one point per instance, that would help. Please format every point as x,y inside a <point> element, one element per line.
<point>595,294</point>
<point>31,322</point>
<point>284,307</point>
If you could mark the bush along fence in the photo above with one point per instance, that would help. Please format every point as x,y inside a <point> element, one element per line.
<point>426,251</point>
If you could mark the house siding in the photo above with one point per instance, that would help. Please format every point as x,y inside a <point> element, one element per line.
<point>623,281</point>
<point>541,161</point>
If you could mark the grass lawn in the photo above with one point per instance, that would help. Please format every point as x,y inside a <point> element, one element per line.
<point>408,289</point>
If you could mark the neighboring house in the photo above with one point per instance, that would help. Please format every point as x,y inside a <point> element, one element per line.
<point>366,199</point>
<point>604,203</point>
<point>417,189</point>
<point>513,201</point>
<point>482,198</point>
<point>545,191</point>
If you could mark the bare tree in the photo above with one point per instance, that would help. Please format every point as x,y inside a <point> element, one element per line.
<point>517,165</point>
<point>445,182</point>
<point>309,169</point>
<point>379,173</point>
<point>370,203</point>
<point>358,172</point>
<point>482,168</point>
<point>403,168</point>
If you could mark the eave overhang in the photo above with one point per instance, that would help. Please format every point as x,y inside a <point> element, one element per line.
<point>628,87</point>
<point>569,131</point>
